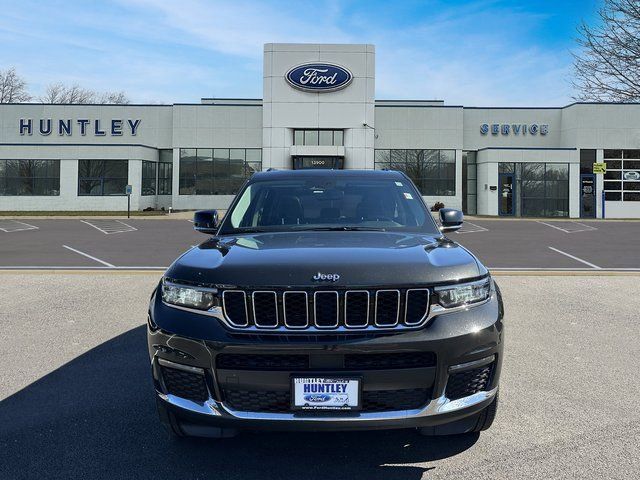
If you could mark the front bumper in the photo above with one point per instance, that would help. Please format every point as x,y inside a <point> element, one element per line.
<point>216,414</point>
<point>461,341</point>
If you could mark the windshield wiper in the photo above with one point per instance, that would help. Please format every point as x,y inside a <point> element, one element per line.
<point>249,230</point>
<point>344,228</point>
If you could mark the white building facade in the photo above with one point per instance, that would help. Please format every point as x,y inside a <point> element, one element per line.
<point>319,111</point>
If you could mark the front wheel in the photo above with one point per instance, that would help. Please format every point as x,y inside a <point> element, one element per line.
<point>487,416</point>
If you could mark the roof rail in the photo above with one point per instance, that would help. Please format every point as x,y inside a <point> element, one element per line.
<point>271,169</point>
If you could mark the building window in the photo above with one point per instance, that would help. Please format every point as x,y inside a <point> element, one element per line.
<point>103,177</point>
<point>29,177</point>
<point>433,171</point>
<point>541,190</point>
<point>587,159</point>
<point>469,183</point>
<point>217,171</point>
<point>165,178</point>
<point>165,172</point>
<point>318,137</point>
<point>622,180</point>
<point>149,170</point>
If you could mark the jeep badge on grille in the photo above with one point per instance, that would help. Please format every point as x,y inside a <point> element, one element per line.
<point>326,277</point>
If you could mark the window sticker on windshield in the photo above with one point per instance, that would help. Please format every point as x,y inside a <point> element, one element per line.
<point>408,196</point>
<point>399,184</point>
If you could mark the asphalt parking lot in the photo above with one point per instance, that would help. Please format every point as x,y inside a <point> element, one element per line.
<point>155,243</point>
<point>76,397</point>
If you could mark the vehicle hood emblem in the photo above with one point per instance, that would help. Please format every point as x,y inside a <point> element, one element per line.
<point>326,277</point>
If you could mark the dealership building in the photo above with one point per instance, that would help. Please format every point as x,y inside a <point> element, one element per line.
<point>319,111</point>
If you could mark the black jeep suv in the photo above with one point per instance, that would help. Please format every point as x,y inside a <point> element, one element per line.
<point>326,300</point>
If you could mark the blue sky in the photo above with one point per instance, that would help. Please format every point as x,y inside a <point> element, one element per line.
<point>476,53</point>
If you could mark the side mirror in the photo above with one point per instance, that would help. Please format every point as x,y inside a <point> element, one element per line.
<point>450,219</point>
<point>206,221</point>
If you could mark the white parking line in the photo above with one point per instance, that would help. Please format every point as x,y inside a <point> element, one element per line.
<point>9,226</point>
<point>576,258</point>
<point>477,229</point>
<point>110,226</point>
<point>586,228</point>
<point>106,264</point>
<point>563,269</point>
<point>66,267</point>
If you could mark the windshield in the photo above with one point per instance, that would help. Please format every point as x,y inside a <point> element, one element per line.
<point>312,203</point>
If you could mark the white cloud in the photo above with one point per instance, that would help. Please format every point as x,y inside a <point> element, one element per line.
<point>465,54</point>
<point>182,50</point>
<point>471,56</point>
<point>242,27</point>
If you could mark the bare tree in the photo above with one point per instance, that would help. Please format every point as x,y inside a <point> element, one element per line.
<point>13,89</point>
<point>61,93</point>
<point>114,97</point>
<point>608,66</point>
<point>75,94</point>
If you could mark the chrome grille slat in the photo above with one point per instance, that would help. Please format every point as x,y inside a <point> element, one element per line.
<point>386,302</point>
<point>230,308</point>
<point>418,308</point>
<point>324,310</point>
<point>267,309</point>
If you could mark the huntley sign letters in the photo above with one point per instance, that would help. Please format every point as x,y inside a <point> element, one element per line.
<point>66,127</point>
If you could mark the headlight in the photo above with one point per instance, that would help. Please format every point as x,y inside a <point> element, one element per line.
<point>199,298</point>
<point>464,294</point>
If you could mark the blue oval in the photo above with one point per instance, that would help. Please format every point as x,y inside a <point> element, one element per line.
<point>317,397</point>
<point>319,77</point>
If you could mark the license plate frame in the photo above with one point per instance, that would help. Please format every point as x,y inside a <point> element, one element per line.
<point>327,406</point>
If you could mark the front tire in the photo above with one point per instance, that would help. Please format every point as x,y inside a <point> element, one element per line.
<point>487,416</point>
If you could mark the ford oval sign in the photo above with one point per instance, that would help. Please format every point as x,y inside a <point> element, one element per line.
<point>631,175</point>
<point>317,398</point>
<point>319,77</point>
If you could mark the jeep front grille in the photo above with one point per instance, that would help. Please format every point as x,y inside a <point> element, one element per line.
<point>289,310</point>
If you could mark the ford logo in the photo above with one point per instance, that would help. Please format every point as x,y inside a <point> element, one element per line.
<point>319,77</point>
<point>632,175</point>
<point>317,398</point>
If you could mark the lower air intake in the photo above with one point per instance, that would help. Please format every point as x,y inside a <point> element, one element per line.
<point>467,383</point>
<point>191,386</point>
<point>372,401</point>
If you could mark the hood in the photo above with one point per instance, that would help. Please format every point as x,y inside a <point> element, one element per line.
<point>289,259</point>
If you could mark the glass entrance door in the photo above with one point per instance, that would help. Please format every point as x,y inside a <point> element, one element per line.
<point>506,187</point>
<point>587,196</point>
